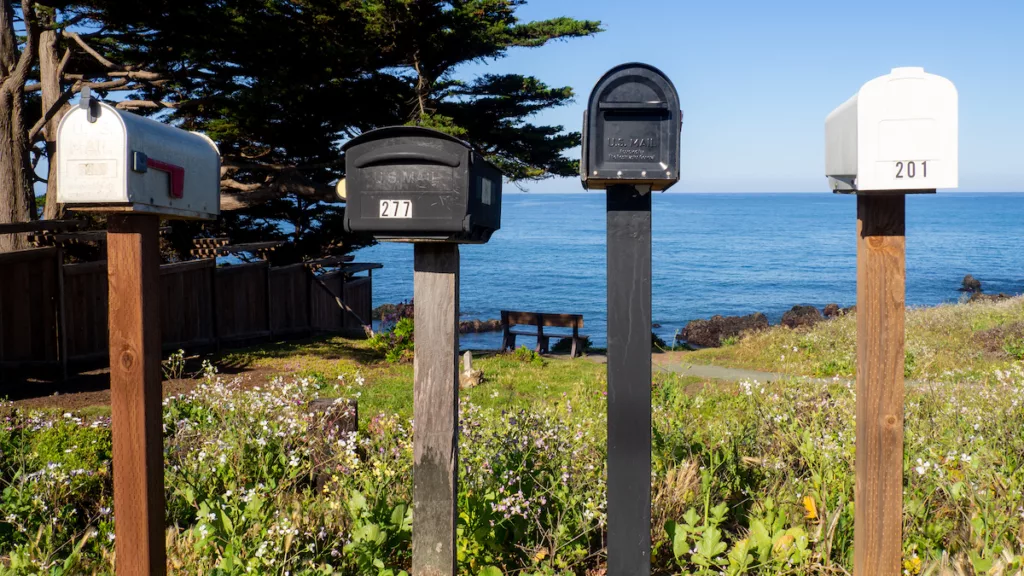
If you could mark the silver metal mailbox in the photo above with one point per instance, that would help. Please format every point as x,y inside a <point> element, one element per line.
<point>115,161</point>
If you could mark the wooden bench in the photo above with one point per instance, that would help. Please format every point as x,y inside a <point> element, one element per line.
<point>511,318</point>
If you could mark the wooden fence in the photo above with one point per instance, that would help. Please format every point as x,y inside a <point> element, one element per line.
<point>55,314</point>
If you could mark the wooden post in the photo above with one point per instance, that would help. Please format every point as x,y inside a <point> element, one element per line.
<point>881,274</point>
<point>133,272</point>
<point>435,409</point>
<point>629,381</point>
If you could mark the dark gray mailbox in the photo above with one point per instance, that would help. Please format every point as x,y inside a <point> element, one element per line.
<point>631,130</point>
<point>410,183</point>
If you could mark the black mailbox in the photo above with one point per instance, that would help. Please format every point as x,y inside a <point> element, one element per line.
<point>411,183</point>
<point>631,130</point>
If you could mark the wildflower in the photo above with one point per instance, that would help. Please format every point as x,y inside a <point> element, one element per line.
<point>811,508</point>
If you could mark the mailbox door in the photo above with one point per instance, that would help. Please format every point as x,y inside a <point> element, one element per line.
<point>407,186</point>
<point>485,201</point>
<point>633,128</point>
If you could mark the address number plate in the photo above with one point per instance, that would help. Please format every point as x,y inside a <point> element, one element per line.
<point>396,208</point>
<point>910,169</point>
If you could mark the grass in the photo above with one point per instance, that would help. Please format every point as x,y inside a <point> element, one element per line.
<point>509,382</point>
<point>746,478</point>
<point>962,338</point>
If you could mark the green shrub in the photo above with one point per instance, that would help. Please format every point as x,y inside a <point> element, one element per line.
<point>1014,347</point>
<point>564,346</point>
<point>527,356</point>
<point>397,343</point>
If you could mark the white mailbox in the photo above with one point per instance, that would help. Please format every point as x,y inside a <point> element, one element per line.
<point>897,133</point>
<point>115,161</point>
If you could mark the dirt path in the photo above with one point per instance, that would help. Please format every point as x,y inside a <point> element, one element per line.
<point>673,363</point>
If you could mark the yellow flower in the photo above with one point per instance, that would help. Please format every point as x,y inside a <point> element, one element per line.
<point>913,565</point>
<point>811,508</point>
<point>541,554</point>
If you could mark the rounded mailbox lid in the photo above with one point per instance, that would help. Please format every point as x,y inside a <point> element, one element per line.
<point>401,132</point>
<point>631,129</point>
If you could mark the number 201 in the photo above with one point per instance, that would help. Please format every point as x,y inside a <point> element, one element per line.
<point>909,169</point>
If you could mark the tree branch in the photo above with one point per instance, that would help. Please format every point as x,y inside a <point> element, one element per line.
<point>89,50</point>
<point>152,104</point>
<point>63,62</point>
<point>64,98</point>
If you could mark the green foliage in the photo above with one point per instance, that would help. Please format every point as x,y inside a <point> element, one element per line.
<point>280,86</point>
<point>1014,348</point>
<point>564,346</point>
<point>174,366</point>
<point>395,343</point>
<point>746,480</point>
<point>730,340</point>
<point>657,344</point>
<point>956,338</point>
<point>526,355</point>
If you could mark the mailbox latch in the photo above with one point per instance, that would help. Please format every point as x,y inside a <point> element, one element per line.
<point>142,163</point>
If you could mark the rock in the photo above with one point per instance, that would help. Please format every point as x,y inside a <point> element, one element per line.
<point>474,326</point>
<point>1001,339</point>
<point>970,284</point>
<point>469,378</point>
<point>979,297</point>
<point>800,316</point>
<point>710,333</point>
<point>850,310</point>
<point>832,311</point>
<point>339,415</point>
<point>393,312</point>
<point>336,418</point>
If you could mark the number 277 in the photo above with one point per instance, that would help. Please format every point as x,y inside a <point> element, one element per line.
<point>909,169</point>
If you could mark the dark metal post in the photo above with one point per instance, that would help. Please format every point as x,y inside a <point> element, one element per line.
<point>629,381</point>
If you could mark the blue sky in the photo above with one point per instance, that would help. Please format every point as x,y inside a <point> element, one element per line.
<point>756,79</point>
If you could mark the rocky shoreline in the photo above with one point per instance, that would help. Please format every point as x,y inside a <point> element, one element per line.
<point>718,330</point>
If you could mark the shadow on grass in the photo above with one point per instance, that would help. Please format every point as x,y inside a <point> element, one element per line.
<point>328,347</point>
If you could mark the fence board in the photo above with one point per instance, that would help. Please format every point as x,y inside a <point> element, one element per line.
<point>242,301</point>
<point>28,297</point>
<point>186,304</point>
<point>201,305</point>
<point>85,303</point>
<point>289,292</point>
<point>327,316</point>
<point>358,297</point>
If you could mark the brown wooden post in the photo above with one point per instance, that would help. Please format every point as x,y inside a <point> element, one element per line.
<point>435,409</point>
<point>881,274</point>
<point>133,272</point>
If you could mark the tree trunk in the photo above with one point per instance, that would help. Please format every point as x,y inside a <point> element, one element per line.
<point>49,78</point>
<point>16,198</point>
<point>17,203</point>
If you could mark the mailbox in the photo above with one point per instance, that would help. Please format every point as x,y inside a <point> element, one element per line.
<point>115,161</point>
<point>417,184</point>
<point>631,130</point>
<point>897,133</point>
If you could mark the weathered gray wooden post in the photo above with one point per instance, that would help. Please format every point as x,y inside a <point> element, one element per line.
<point>136,170</point>
<point>410,184</point>
<point>896,136</point>
<point>631,132</point>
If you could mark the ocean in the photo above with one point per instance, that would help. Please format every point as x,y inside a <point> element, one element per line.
<point>730,254</point>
